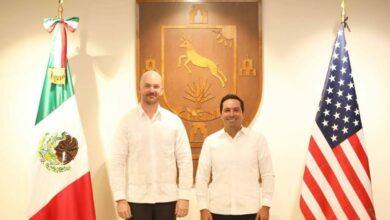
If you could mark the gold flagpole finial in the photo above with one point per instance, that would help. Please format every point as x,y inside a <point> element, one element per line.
<point>344,18</point>
<point>60,8</point>
<point>343,11</point>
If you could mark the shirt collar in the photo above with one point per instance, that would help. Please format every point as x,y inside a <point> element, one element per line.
<point>242,131</point>
<point>142,113</point>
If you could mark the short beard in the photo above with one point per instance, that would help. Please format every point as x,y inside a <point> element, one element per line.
<point>147,101</point>
<point>151,102</point>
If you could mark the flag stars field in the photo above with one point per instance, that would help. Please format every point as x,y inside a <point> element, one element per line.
<point>340,93</point>
<point>328,101</point>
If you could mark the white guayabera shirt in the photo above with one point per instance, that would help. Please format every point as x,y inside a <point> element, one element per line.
<point>235,165</point>
<point>146,155</point>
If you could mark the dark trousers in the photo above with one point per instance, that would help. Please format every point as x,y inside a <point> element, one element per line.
<point>233,217</point>
<point>156,211</point>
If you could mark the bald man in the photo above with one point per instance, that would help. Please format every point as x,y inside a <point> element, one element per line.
<point>150,146</point>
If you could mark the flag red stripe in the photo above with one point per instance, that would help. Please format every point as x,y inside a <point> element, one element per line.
<point>318,194</point>
<point>354,180</point>
<point>305,210</point>
<point>75,202</point>
<point>360,152</point>
<point>332,180</point>
<point>69,28</point>
<point>64,45</point>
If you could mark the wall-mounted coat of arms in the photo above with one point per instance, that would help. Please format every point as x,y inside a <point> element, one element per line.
<point>203,51</point>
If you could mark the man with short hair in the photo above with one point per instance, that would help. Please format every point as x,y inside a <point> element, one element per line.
<point>236,157</point>
<point>150,146</point>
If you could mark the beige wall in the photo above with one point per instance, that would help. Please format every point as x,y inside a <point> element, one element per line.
<point>298,38</point>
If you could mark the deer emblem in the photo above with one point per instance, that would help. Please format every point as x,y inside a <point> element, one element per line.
<point>198,60</point>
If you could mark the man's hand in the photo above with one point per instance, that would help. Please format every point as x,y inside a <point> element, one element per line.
<point>181,208</point>
<point>263,213</point>
<point>123,209</point>
<point>205,215</point>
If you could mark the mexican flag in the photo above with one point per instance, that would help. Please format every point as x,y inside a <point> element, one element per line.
<point>61,182</point>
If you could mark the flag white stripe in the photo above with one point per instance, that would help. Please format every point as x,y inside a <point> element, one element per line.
<point>357,166</point>
<point>311,202</point>
<point>46,184</point>
<point>339,173</point>
<point>325,187</point>
<point>360,135</point>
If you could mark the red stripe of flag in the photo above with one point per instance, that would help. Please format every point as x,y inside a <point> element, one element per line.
<point>305,210</point>
<point>332,179</point>
<point>64,46</point>
<point>318,194</point>
<point>361,154</point>
<point>354,180</point>
<point>75,202</point>
<point>69,28</point>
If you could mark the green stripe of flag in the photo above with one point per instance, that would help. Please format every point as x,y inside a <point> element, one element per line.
<point>53,95</point>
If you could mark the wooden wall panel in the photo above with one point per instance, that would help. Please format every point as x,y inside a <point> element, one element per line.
<point>203,51</point>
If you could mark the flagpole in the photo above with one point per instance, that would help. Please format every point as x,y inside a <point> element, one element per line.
<point>342,11</point>
<point>60,9</point>
<point>344,18</point>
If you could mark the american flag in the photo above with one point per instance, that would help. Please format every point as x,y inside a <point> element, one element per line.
<point>336,180</point>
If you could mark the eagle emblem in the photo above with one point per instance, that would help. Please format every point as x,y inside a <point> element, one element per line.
<point>56,150</point>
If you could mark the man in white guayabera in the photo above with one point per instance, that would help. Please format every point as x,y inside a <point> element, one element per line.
<point>150,148</point>
<point>236,157</point>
